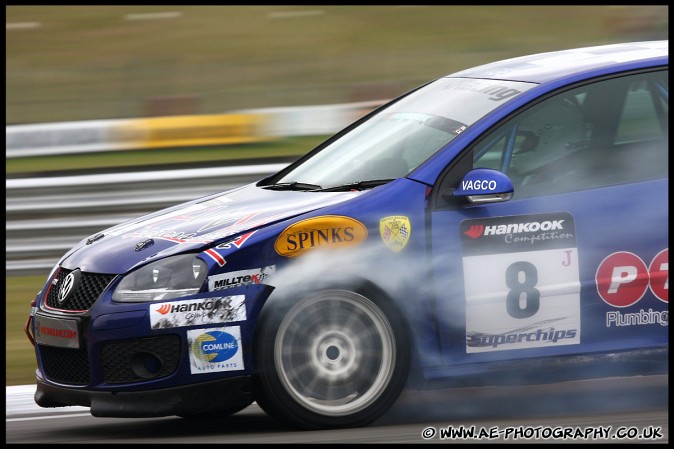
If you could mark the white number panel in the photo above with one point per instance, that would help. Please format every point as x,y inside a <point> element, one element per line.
<point>521,281</point>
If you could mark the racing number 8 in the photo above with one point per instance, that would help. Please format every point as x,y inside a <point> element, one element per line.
<point>531,295</point>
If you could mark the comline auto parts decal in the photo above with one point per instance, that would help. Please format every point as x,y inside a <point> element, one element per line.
<point>522,282</point>
<point>215,349</point>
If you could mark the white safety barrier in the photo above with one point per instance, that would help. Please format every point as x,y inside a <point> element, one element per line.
<point>178,131</point>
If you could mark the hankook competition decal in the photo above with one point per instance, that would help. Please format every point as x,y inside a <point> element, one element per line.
<point>522,282</point>
<point>215,349</point>
<point>221,309</point>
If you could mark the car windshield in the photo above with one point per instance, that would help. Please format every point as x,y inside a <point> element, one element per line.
<point>400,137</point>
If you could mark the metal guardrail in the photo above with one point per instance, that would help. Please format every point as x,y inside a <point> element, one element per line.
<point>45,217</point>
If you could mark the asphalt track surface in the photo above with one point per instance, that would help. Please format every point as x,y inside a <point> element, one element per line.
<point>586,411</point>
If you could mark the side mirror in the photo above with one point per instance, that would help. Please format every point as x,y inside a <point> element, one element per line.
<point>485,185</point>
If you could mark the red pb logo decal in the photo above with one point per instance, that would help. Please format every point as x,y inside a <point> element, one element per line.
<point>623,278</point>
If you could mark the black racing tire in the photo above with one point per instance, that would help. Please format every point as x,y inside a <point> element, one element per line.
<point>332,359</point>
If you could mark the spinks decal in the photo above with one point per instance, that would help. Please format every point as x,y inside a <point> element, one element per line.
<point>622,281</point>
<point>329,231</point>
<point>215,349</point>
<point>395,232</point>
<point>195,312</point>
<point>522,282</point>
<point>237,278</point>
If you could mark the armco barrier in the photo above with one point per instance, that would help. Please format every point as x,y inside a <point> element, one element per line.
<point>47,216</point>
<point>176,131</point>
<point>137,134</point>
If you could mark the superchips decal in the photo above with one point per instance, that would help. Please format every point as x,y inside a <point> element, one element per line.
<point>215,349</point>
<point>238,278</point>
<point>395,232</point>
<point>522,282</point>
<point>195,312</point>
<point>328,231</point>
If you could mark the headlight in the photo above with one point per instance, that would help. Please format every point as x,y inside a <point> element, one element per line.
<point>172,277</point>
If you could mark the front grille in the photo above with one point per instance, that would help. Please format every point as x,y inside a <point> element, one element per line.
<point>90,287</point>
<point>140,359</point>
<point>68,366</point>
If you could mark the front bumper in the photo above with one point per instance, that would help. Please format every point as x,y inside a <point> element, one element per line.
<point>147,360</point>
<point>202,398</point>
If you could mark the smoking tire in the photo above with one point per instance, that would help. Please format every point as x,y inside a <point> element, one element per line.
<point>332,359</point>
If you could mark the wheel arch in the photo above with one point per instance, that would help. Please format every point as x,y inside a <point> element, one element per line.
<point>358,284</point>
<point>280,302</point>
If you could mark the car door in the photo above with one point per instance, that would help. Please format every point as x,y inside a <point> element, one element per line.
<point>577,260</point>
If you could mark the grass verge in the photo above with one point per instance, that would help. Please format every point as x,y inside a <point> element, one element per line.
<point>20,361</point>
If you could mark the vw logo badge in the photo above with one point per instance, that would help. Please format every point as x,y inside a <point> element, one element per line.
<point>68,286</point>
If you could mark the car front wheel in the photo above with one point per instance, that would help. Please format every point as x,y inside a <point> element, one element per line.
<point>335,358</point>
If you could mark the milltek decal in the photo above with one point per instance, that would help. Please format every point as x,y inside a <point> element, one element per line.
<point>215,350</point>
<point>195,312</point>
<point>330,231</point>
<point>238,278</point>
<point>517,233</point>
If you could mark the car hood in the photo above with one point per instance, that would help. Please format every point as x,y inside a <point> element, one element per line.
<point>192,226</point>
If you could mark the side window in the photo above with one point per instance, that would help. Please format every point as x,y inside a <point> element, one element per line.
<point>613,131</point>
<point>640,118</point>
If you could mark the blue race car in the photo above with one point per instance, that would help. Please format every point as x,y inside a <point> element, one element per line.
<point>507,218</point>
